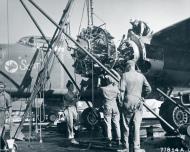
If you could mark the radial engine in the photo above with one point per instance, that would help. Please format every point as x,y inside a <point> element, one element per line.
<point>99,42</point>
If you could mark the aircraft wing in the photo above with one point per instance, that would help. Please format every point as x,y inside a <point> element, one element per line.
<point>177,35</point>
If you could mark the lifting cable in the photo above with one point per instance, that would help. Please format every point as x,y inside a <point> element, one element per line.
<point>84,5</point>
<point>104,23</point>
<point>88,10</point>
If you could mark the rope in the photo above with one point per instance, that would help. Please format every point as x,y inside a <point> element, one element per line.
<point>67,22</point>
<point>104,23</point>
<point>88,10</point>
<point>71,11</point>
<point>81,17</point>
<point>91,12</point>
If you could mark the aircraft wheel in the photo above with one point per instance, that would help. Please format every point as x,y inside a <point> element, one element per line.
<point>52,117</point>
<point>88,118</point>
<point>173,115</point>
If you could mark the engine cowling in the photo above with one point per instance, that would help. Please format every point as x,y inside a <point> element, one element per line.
<point>141,50</point>
<point>133,48</point>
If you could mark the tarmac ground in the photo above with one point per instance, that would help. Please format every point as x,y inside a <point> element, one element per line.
<point>53,141</point>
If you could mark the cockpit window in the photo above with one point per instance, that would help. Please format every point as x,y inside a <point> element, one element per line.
<point>27,41</point>
<point>34,41</point>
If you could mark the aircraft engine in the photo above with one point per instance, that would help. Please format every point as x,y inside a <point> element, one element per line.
<point>99,43</point>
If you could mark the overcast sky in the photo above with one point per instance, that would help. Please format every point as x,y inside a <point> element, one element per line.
<point>116,13</point>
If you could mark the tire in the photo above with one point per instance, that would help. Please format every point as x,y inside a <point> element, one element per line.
<point>52,117</point>
<point>173,115</point>
<point>88,118</point>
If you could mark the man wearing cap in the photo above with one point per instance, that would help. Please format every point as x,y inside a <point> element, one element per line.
<point>139,28</point>
<point>132,85</point>
<point>5,104</point>
<point>110,109</point>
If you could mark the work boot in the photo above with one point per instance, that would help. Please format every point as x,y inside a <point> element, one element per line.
<point>74,142</point>
<point>118,143</point>
<point>124,149</point>
<point>139,150</point>
<point>125,145</point>
<point>108,143</point>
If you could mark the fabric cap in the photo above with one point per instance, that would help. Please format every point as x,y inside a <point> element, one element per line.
<point>133,21</point>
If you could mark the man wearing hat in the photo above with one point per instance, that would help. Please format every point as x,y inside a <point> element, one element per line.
<point>5,104</point>
<point>110,109</point>
<point>132,85</point>
<point>139,28</point>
